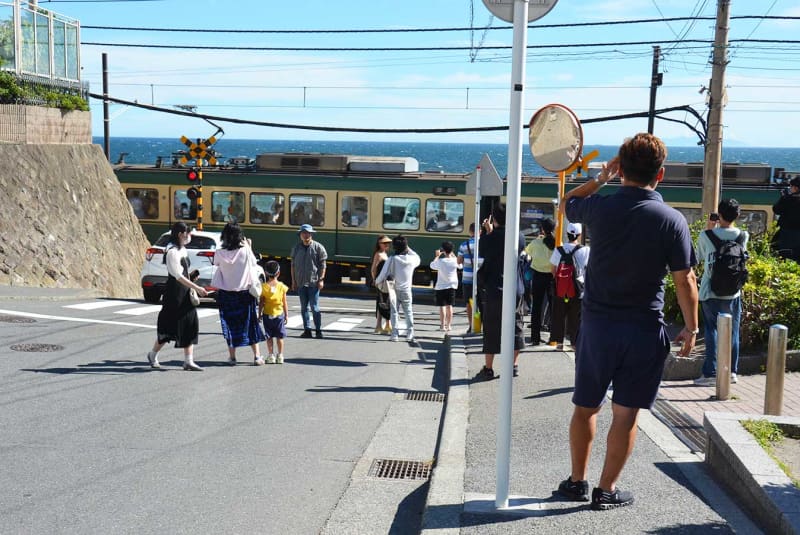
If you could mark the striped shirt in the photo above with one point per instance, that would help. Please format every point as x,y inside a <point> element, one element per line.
<point>465,251</point>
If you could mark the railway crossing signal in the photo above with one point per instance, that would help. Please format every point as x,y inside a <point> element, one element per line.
<point>200,150</point>
<point>192,175</point>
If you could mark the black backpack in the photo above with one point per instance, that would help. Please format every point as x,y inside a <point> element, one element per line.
<point>729,270</point>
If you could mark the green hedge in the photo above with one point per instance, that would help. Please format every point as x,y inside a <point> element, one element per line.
<point>771,295</point>
<point>12,91</point>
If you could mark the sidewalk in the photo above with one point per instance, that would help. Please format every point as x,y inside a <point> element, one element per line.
<point>673,489</point>
<point>681,404</point>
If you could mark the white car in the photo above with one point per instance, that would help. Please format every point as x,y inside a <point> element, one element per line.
<point>201,257</point>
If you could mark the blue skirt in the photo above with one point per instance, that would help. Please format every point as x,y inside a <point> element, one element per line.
<point>238,314</point>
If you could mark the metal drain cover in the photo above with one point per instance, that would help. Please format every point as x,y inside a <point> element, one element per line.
<point>397,469</point>
<point>16,319</point>
<point>422,395</point>
<point>37,348</point>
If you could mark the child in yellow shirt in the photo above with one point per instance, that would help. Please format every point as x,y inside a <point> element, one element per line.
<point>274,311</point>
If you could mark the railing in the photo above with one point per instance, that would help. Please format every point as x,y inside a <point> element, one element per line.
<point>40,43</point>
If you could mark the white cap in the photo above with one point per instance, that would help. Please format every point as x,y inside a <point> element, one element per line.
<point>574,228</point>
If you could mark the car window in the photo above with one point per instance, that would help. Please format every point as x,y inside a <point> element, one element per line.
<point>162,241</point>
<point>202,242</point>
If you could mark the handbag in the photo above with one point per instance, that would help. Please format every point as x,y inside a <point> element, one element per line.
<point>387,286</point>
<point>194,299</point>
<point>255,277</point>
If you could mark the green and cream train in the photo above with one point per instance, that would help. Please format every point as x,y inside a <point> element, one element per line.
<point>351,200</point>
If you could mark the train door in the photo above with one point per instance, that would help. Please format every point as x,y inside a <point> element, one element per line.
<point>352,225</point>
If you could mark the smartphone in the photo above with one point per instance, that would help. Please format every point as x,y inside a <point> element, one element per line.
<point>713,217</point>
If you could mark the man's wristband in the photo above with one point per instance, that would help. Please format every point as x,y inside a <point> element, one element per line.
<point>697,330</point>
<point>599,182</point>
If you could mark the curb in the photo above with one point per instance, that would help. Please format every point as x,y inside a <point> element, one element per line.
<point>445,500</point>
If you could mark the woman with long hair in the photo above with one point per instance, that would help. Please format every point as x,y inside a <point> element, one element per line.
<point>382,307</point>
<point>540,250</point>
<point>177,320</point>
<point>238,309</point>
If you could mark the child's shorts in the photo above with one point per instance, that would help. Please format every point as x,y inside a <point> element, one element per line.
<point>445,297</point>
<point>274,327</point>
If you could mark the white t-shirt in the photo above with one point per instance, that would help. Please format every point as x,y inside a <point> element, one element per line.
<point>447,268</point>
<point>580,258</point>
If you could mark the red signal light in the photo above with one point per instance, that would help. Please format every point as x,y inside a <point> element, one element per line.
<point>192,175</point>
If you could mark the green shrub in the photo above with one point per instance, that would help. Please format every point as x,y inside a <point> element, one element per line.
<point>770,296</point>
<point>12,91</point>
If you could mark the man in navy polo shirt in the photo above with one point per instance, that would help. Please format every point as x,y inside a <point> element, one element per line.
<point>636,240</point>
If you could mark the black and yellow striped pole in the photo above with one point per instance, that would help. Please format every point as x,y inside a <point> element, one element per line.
<point>199,194</point>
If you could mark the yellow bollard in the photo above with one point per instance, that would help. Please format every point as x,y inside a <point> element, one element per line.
<point>476,319</point>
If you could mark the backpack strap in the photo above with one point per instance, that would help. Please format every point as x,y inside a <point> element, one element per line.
<point>740,238</point>
<point>561,251</point>
<point>714,239</point>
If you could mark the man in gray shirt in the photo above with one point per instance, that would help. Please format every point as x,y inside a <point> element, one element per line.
<point>308,274</point>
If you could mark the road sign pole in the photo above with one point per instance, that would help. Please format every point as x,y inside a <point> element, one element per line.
<point>475,248</point>
<point>513,188</point>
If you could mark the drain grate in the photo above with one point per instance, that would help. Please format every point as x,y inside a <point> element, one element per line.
<point>16,319</point>
<point>685,428</point>
<point>422,395</point>
<point>37,348</point>
<point>397,469</point>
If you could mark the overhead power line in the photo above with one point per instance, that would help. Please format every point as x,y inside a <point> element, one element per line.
<point>418,30</point>
<point>684,108</point>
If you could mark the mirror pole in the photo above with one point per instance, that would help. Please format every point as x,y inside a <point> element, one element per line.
<point>562,184</point>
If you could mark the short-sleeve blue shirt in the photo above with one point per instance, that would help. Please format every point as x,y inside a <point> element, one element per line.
<point>636,240</point>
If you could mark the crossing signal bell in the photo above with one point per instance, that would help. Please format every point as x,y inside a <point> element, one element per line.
<point>193,175</point>
<point>193,193</point>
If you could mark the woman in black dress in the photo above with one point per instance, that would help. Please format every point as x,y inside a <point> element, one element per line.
<point>177,320</point>
<point>382,308</point>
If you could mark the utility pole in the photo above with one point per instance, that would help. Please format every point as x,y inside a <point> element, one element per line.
<point>655,80</point>
<point>712,165</point>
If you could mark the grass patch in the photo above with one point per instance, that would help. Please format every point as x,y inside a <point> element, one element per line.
<point>769,434</point>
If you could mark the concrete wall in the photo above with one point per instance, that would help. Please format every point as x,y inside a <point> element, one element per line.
<point>40,125</point>
<point>65,222</point>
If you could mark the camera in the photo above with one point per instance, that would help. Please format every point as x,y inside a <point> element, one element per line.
<point>713,217</point>
<point>785,192</point>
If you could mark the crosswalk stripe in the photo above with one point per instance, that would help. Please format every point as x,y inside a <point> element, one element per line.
<point>343,324</point>
<point>294,322</point>
<point>94,305</point>
<point>139,311</point>
<point>206,312</point>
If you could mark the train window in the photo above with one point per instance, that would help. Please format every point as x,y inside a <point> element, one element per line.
<point>227,206</point>
<point>144,202</point>
<point>266,208</point>
<point>184,207</point>
<point>400,213</point>
<point>444,215</point>
<point>307,209</point>
<point>354,211</point>
<point>531,215</point>
<point>755,221</point>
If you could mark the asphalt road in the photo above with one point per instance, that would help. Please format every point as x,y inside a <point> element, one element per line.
<point>94,441</point>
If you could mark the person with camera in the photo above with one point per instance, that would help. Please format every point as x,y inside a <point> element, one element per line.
<point>446,266</point>
<point>400,267</point>
<point>715,299</point>
<point>491,248</point>
<point>787,239</point>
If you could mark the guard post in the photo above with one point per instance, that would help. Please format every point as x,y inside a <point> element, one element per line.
<point>724,329</point>
<point>776,369</point>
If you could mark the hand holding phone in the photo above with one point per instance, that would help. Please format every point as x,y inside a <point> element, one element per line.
<point>713,217</point>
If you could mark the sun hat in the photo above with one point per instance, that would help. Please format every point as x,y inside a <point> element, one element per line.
<point>386,239</point>
<point>305,227</point>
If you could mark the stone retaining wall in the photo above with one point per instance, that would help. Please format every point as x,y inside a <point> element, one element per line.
<point>65,222</point>
<point>37,124</point>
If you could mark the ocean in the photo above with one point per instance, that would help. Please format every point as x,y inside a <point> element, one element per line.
<point>447,157</point>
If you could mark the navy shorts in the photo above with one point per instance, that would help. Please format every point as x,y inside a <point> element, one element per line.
<point>445,297</point>
<point>629,355</point>
<point>274,327</point>
<point>466,291</point>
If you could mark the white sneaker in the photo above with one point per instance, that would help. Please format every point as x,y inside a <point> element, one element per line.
<point>734,379</point>
<point>271,359</point>
<point>152,358</point>
<point>259,361</point>
<point>394,338</point>
<point>706,381</point>
<point>279,358</point>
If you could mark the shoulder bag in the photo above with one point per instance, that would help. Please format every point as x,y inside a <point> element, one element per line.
<point>387,286</point>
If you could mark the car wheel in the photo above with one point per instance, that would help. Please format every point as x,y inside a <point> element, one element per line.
<point>152,295</point>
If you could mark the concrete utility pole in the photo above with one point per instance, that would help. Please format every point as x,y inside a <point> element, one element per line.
<point>712,166</point>
<point>655,80</point>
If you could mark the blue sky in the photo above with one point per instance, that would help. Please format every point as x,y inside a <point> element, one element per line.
<point>434,89</point>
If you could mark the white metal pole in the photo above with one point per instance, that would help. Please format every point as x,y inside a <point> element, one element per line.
<point>513,186</point>
<point>475,249</point>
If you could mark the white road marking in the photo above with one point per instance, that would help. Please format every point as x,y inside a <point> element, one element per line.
<point>343,324</point>
<point>206,312</point>
<point>94,305</point>
<point>294,322</point>
<point>77,320</point>
<point>139,311</point>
